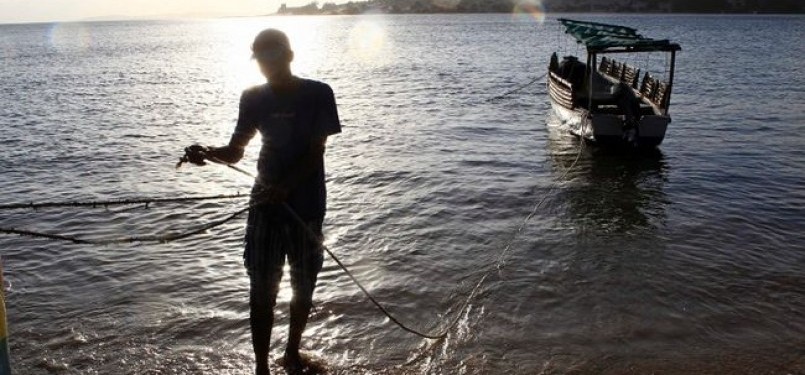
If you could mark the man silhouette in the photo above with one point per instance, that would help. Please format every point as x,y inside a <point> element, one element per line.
<point>294,116</point>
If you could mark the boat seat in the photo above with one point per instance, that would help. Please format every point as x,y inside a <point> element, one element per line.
<point>602,95</point>
<point>654,90</point>
<point>605,66</point>
<point>630,76</point>
<point>647,87</point>
<point>660,94</point>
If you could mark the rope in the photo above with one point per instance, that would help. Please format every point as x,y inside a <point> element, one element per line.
<point>141,239</point>
<point>538,205</point>
<point>174,237</point>
<point>163,239</point>
<point>363,289</point>
<point>346,270</point>
<point>517,89</point>
<point>443,333</point>
<point>120,202</point>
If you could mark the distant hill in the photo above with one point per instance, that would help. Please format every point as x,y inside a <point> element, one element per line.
<point>554,6</point>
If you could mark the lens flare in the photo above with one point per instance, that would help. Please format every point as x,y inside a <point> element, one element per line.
<point>7,50</point>
<point>367,41</point>
<point>530,9</point>
<point>70,37</point>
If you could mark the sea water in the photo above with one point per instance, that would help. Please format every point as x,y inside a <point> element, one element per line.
<point>687,260</point>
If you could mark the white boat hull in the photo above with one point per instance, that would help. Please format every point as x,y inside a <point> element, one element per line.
<point>608,129</point>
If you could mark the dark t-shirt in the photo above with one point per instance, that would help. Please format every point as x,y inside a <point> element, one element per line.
<point>288,124</point>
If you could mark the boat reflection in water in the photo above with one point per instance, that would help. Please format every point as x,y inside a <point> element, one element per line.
<point>601,304</point>
<point>610,191</point>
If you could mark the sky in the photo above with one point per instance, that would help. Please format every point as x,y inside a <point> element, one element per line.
<point>20,11</point>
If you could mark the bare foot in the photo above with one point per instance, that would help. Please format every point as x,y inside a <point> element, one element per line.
<point>302,364</point>
<point>262,369</point>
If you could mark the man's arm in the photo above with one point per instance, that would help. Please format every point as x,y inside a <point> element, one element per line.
<point>231,153</point>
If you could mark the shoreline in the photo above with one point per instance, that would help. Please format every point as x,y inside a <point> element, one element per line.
<point>557,14</point>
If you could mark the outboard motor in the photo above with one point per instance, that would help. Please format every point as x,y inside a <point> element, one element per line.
<point>554,64</point>
<point>629,105</point>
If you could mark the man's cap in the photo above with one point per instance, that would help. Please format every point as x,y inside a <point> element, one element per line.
<point>270,39</point>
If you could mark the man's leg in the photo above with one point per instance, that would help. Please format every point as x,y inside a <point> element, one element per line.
<point>305,259</point>
<point>264,258</point>
<point>262,298</point>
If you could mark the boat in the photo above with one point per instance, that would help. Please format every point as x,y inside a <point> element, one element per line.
<point>604,100</point>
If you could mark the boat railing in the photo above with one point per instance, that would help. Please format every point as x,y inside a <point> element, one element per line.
<point>653,90</point>
<point>621,72</point>
<point>631,76</point>
<point>561,90</point>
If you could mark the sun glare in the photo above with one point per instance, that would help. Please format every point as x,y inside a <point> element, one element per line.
<point>232,58</point>
<point>306,39</point>
<point>242,69</point>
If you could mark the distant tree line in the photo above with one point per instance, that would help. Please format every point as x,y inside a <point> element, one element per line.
<point>505,6</point>
<point>678,6</point>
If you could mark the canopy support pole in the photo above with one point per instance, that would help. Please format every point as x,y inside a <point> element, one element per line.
<point>670,83</point>
<point>590,72</point>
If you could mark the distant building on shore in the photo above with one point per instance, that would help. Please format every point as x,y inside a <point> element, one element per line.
<point>309,9</point>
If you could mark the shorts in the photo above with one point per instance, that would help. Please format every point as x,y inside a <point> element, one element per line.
<point>270,238</point>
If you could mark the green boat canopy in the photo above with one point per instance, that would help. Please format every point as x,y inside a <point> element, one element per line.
<point>601,37</point>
